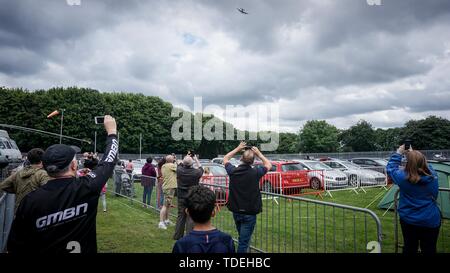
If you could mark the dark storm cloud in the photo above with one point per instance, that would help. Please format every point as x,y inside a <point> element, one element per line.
<point>317,59</point>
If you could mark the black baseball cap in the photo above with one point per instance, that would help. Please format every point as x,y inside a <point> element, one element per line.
<point>57,157</point>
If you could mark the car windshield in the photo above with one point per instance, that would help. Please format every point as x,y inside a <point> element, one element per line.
<point>234,161</point>
<point>317,166</point>
<point>2,145</point>
<point>216,170</point>
<point>381,161</point>
<point>138,165</point>
<point>350,165</point>
<point>13,143</point>
<point>291,167</point>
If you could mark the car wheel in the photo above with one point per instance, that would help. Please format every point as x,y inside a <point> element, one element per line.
<point>315,183</point>
<point>353,181</point>
<point>267,186</point>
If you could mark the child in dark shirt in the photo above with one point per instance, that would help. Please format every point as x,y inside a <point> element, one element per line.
<point>204,238</point>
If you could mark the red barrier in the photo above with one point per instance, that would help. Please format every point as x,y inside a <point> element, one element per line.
<point>299,182</point>
<point>219,185</point>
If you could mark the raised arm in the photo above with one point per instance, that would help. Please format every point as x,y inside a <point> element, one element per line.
<point>100,175</point>
<point>265,161</point>
<point>236,150</point>
<point>393,166</point>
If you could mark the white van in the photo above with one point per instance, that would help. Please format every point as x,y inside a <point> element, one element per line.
<point>9,152</point>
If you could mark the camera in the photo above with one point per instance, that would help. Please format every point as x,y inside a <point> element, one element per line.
<point>248,147</point>
<point>407,144</point>
<point>191,153</point>
<point>99,120</point>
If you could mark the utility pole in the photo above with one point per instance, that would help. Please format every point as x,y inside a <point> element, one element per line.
<point>140,146</point>
<point>61,130</point>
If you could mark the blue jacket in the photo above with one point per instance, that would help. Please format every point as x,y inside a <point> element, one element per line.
<point>417,205</point>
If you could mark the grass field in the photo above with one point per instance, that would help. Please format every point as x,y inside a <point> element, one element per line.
<point>285,225</point>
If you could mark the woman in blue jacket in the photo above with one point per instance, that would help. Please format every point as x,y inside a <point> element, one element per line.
<point>420,217</point>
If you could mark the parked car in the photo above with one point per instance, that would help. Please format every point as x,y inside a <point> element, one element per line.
<point>9,152</point>
<point>376,164</point>
<point>137,169</point>
<point>439,157</point>
<point>217,179</point>
<point>325,174</point>
<point>284,175</point>
<point>219,160</point>
<point>357,174</point>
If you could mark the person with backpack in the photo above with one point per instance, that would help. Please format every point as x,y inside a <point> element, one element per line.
<point>204,238</point>
<point>420,217</point>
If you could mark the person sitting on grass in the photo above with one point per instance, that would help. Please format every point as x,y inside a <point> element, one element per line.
<point>204,238</point>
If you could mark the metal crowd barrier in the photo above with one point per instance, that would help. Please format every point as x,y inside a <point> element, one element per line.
<point>7,202</point>
<point>300,224</point>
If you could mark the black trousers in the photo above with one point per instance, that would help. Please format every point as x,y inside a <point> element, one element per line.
<point>417,236</point>
<point>184,222</point>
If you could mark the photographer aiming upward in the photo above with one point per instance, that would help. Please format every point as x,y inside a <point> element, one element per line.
<point>60,217</point>
<point>245,197</point>
<point>187,177</point>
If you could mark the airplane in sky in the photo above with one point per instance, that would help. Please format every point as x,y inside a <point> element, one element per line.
<point>241,10</point>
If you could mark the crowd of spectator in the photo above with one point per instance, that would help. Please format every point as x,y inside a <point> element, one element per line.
<point>57,198</point>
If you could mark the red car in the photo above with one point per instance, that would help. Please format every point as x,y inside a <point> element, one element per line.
<point>284,176</point>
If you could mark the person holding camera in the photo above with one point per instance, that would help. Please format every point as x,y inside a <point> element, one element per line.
<point>60,217</point>
<point>420,217</point>
<point>244,199</point>
<point>187,177</point>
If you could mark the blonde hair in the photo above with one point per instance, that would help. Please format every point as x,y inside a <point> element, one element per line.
<point>416,166</point>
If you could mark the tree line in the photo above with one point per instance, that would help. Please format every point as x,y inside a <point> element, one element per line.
<point>150,117</point>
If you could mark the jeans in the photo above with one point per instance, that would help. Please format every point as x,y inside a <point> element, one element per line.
<point>245,224</point>
<point>147,194</point>
<point>413,236</point>
<point>118,188</point>
<point>103,197</point>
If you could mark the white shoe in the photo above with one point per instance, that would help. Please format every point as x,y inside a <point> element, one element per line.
<point>162,225</point>
<point>168,223</point>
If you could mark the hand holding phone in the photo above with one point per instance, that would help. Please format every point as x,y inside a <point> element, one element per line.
<point>100,120</point>
<point>407,144</point>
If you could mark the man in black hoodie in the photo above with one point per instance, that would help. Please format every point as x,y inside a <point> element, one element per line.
<point>60,217</point>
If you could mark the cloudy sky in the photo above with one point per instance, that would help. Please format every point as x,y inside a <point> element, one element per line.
<point>313,59</point>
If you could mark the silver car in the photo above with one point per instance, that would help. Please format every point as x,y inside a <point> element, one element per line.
<point>319,171</point>
<point>357,174</point>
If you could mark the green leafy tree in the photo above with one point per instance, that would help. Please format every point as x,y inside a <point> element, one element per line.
<point>359,137</point>
<point>318,136</point>
<point>430,133</point>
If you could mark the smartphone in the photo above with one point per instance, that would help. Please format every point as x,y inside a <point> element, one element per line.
<point>100,120</point>
<point>407,144</point>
